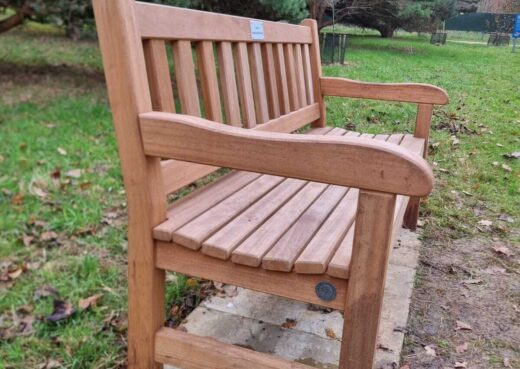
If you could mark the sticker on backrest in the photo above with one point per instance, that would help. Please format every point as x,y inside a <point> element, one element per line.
<point>257,30</point>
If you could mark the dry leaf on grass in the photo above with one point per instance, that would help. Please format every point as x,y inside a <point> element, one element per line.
<point>330,333</point>
<point>27,240</point>
<point>62,151</point>
<point>48,236</point>
<point>461,364</point>
<point>485,223</point>
<point>74,173</point>
<point>45,291</point>
<point>90,301</point>
<point>461,326</point>
<point>461,348</point>
<point>62,310</point>
<point>430,351</point>
<point>51,364</point>
<point>503,250</point>
<point>289,323</point>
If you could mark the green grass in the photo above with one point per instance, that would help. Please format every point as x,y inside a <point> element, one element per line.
<point>53,100</point>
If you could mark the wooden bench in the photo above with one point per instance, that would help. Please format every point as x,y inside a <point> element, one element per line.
<point>306,216</point>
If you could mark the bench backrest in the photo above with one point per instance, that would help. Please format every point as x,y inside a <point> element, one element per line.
<point>238,71</point>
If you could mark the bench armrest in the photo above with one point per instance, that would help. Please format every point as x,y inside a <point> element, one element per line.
<point>353,162</point>
<point>403,92</point>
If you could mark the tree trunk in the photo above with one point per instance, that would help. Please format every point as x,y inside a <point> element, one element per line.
<point>16,19</point>
<point>387,31</point>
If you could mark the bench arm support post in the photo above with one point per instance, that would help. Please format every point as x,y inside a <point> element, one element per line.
<point>371,247</point>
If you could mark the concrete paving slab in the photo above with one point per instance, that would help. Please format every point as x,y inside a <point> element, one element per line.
<point>259,321</point>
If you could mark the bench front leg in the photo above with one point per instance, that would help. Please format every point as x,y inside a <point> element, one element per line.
<point>372,238</point>
<point>422,130</point>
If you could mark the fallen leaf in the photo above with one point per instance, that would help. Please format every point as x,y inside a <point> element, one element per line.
<point>39,192</point>
<point>90,301</point>
<point>406,366</point>
<point>513,155</point>
<point>27,240</point>
<point>330,333</point>
<point>56,173</point>
<point>51,364</point>
<point>48,235</point>
<point>62,310</point>
<point>495,163</point>
<point>17,199</point>
<point>74,173</point>
<point>62,151</point>
<point>461,365</point>
<point>289,323</point>
<point>461,326</point>
<point>500,249</point>
<point>45,291</point>
<point>384,348</point>
<point>430,351</point>
<point>192,283</point>
<point>506,167</point>
<point>506,218</point>
<point>485,223</point>
<point>461,348</point>
<point>15,273</point>
<point>494,270</point>
<point>472,281</point>
<point>507,363</point>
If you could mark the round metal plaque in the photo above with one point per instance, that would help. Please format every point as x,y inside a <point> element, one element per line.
<point>326,291</point>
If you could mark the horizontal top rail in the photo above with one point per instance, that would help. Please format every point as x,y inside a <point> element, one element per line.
<point>165,22</point>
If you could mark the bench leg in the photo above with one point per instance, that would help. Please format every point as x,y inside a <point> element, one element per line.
<point>145,313</point>
<point>372,238</point>
<point>411,215</point>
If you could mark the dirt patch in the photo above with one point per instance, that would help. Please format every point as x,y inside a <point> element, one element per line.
<point>465,310</point>
<point>33,83</point>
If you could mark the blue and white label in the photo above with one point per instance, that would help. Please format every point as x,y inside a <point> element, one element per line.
<point>516,27</point>
<point>257,30</point>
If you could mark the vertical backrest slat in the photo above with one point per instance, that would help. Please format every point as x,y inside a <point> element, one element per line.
<point>208,81</point>
<point>258,79</point>
<point>270,81</point>
<point>308,74</point>
<point>159,77</point>
<point>300,77</point>
<point>281,78</point>
<point>315,58</point>
<point>228,83</point>
<point>245,87</point>
<point>291,77</point>
<point>185,77</point>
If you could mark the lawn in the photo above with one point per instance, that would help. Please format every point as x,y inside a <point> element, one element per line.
<point>62,205</point>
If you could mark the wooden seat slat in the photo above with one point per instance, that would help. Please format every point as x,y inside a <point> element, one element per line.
<point>338,266</point>
<point>254,247</point>
<point>270,81</point>
<point>285,251</point>
<point>258,79</point>
<point>224,241</point>
<point>228,83</point>
<point>395,138</point>
<point>314,259</point>
<point>185,77</point>
<point>193,233</point>
<point>245,86</point>
<point>191,206</point>
<point>208,81</point>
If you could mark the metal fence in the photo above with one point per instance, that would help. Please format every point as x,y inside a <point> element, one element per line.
<point>482,22</point>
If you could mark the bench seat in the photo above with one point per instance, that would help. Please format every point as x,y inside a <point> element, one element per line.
<point>279,224</point>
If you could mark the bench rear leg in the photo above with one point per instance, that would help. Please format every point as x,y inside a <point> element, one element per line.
<point>411,215</point>
<point>372,238</point>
